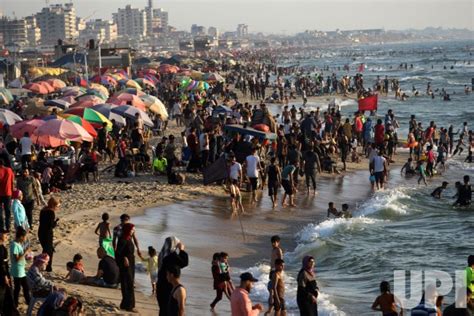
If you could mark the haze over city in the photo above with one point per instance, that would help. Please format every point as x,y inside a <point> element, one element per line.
<point>281,17</point>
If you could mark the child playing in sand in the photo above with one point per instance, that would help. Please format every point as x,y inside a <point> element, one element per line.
<point>77,261</point>
<point>152,267</point>
<point>228,287</point>
<point>332,210</point>
<point>235,198</point>
<point>73,275</point>
<point>103,229</point>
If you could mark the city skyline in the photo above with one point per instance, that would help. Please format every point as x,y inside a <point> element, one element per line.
<point>280,17</point>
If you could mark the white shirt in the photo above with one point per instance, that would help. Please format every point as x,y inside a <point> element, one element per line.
<point>202,140</point>
<point>378,163</point>
<point>253,162</point>
<point>177,109</point>
<point>26,143</point>
<point>235,170</point>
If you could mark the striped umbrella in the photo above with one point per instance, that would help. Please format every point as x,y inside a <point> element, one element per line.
<point>79,120</point>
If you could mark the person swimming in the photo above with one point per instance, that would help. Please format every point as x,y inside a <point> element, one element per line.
<point>437,192</point>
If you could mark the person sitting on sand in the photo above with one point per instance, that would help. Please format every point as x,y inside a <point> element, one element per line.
<point>332,210</point>
<point>38,284</point>
<point>73,275</point>
<point>77,261</point>
<point>159,165</point>
<point>386,302</point>
<point>107,271</point>
<point>437,192</point>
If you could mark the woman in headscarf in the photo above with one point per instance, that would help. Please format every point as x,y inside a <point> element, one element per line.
<point>19,213</point>
<point>125,258</point>
<point>307,292</point>
<point>172,254</point>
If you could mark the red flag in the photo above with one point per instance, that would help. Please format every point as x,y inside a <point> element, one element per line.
<point>368,103</point>
<point>362,67</point>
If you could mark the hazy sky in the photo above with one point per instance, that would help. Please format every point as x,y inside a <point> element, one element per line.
<point>282,16</point>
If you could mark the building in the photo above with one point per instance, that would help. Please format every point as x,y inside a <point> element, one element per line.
<point>242,30</point>
<point>14,31</point>
<point>131,22</point>
<point>213,31</point>
<point>57,22</point>
<point>33,32</point>
<point>198,30</point>
<point>102,31</point>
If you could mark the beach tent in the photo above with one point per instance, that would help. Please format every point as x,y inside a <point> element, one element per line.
<point>216,172</point>
<point>234,129</point>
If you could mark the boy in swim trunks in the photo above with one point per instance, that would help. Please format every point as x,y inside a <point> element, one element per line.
<point>236,198</point>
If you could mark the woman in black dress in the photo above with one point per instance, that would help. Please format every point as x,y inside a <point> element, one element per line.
<point>307,293</point>
<point>47,223</point>
<point>125,258</point>
<point>172,254</point>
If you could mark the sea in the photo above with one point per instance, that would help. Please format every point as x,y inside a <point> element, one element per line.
<point>402,227</point>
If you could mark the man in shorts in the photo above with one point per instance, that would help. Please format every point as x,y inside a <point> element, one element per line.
<point>379,167</point>
<point>278,289</point>
<point>287,182</point>
<point>274,180</point>
<point>252,163</point>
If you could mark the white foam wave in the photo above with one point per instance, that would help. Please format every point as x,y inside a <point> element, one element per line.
<point>385,200</point>
<point>260,292</point>
<point>425,78</point>
<point>460,164</point>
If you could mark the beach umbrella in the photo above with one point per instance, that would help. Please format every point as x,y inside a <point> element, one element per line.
<point>79,120</point>
<point>213,77</point>
<point>128,99</point>
<point>91,95</point>
<point>8,117</point>
<point>91,116</point>
<point>145,82</point>
<point>133,91</point>
<point>63,104</point>
<point>55,132</point>
<point>29,126</point>
<point>87,102</point>
<point>47,86</point>
<point>105,110</point>
<point>7,93</point>
<point>99,88</point>
<point>70,99</point>
<point>156,106</point>
<point>36,88</point>
<point>168,69</point>
<point>130,112</point>
<point>57,84</point>
<point>73,90</point>
<point>132,84</point>
<point>3,99</point>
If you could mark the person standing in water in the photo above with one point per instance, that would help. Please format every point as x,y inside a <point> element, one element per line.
<point>386,302</point>
<point>307,292</point>
<point>274,180</point>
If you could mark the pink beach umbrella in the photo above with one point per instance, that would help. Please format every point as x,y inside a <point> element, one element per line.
<point>20,128</point>
<point>55,132</point>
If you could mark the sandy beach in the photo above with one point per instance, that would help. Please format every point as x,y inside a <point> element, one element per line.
<point>199,215</point>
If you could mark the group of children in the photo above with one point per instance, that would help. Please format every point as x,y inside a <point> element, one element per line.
<point>345,213</point>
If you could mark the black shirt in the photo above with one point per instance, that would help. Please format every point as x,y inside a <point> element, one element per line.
<point>4,269</point>
<point>310,161</point>
<point>451,310</point>
<point>47,224</point>
<point>272,174</point>
<point>110,270</point>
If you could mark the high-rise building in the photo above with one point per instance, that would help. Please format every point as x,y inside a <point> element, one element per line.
<point>242,30</point>
<point>103,31</point>
<point>163,16</point>
<point>14,31</point>
<point>33,31</point>
<point>213,31</point>
<point>57,22</point>
<point>131,22</point>
<point>198,30</point>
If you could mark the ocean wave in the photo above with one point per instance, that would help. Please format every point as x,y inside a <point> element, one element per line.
<point>421,78</point>
<point>460,164</point>
<point>260,292</point>
<point>387,201</point>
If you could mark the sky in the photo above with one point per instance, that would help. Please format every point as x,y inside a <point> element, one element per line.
<point>282,16</point>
